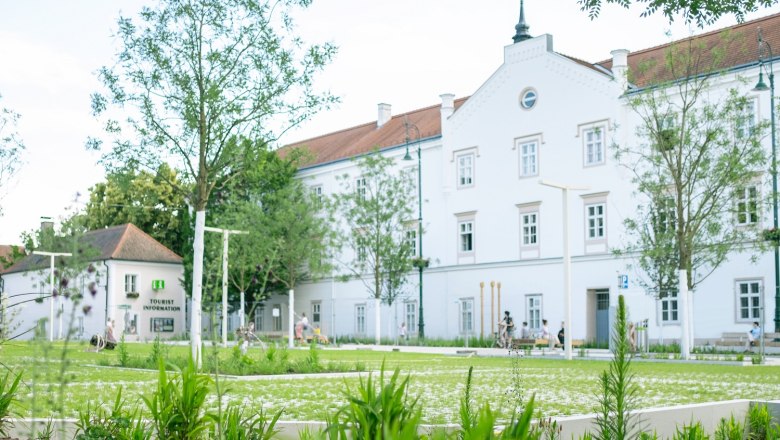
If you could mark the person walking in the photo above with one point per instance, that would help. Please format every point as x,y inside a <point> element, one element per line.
<point>551,339</point>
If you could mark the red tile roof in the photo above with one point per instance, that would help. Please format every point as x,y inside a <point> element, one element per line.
<point>646,67</point>
<point>123,242</point>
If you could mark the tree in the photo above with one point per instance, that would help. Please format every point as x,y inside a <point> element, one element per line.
<point>143,199</point>
<point>699,11</point>
<point>301,240</point>
<point>202,84</point>
<point>375,208</point>
<point>696,168</point>
<point>11,146</point>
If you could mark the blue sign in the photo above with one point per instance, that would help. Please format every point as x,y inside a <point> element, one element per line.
<point>623,281</point>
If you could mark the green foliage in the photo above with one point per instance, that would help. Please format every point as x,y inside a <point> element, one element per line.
<point>729,429</point>
<point>378,410</point>
<point>759,425</point>
<point>618,392</point>
<point>123,356</point>
<point>147,200</point>
<point>8,389</point>
<point>701,12</point>
<point>238,424</point>
<point>694,431</point>
<point>177,406</point>
<point>696,157</point>
<point>118,423</point>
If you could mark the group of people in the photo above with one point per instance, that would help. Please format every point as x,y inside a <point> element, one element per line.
<point>506,329</point>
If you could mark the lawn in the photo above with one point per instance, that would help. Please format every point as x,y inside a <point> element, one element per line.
<point>561,387</point>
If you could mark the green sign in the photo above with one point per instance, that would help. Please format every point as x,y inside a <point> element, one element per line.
<point>158,284</point>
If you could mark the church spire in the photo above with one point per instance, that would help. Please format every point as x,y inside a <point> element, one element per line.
<point>521,29</point>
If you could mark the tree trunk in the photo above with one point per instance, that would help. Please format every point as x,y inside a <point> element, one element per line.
<point>197,286</point>
<point>291,318</point>
<point>377,317</point>
<point>682,312</point>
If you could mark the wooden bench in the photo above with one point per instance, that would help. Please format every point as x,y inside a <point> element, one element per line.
<point>739,339</point>
<point>523,343</point>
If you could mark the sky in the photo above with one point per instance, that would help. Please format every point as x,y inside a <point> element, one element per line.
<point>401,52</point>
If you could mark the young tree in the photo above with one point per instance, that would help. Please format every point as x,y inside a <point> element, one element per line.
<point>700,11</point>
<point>375,208</point>
<point>696,169</point>
<point>11,147</point>
<point>202,84</point>
<point>300,240</point>
<point>143,199</point>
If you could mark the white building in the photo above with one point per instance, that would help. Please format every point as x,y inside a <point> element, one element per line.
<point>494,234</point>
<point>138,285</point>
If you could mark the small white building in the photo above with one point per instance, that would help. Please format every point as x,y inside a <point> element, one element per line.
<point>494,235</point>
<point>138,285</point>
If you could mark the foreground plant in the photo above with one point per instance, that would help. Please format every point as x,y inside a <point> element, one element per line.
<point>8,387</point>
<point>97,423</point>
<point>614,420</point>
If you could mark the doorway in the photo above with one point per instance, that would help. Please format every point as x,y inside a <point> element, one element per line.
<point>602,316</point>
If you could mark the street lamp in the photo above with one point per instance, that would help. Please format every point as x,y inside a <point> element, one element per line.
<point>51,256</point>
<point>566,260</point>
<point>225,237</point>
<point>407,126</point>
<point>760,87</point>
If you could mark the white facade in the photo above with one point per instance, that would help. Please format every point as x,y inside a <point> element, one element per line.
<point>481,184</point>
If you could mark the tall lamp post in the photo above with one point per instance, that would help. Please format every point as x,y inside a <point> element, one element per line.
<point>225,238</point>
<point>407,126</point>
<point>566,260</point>
<point>765,48</point>
<point>51,256</point>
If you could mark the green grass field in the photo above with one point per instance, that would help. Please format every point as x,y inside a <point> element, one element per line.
<point>561,387</point>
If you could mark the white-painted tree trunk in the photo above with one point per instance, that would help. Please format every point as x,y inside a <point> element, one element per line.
<point>241,317</point>
<point>291,318</point>
<point>377,317</point>
<point>685,328</point>
<point>197,287</point>
<point>225,239</point>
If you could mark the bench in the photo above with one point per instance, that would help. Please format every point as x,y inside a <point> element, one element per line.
<point>739,339</point>
<point>523,343</point>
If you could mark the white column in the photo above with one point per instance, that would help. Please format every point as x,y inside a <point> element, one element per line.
<point>377,317</point>
<point>682,303</point>
<point>567,274</point>
<point>291,318</point>
<point>224,286</point>
<point>51,297</point>
<point>197,287</point>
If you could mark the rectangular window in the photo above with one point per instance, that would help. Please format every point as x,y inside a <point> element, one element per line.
<point>260,317</point>
<point>410,314</point>
<point>747,205</point>
<point>595,219</point>
<point>316,315</point>
<point>533,311</point>
<point>316,192</point>
<point>669,308</point>
<point>131,283</point>
<point>749,300</point>
<point>529,158</point>
<point>411,240</point>
<point>467,316</point>
<point>276,314</point>
<point>529,224</point>
<point>466,170</point>
<point>360,319</point>
<point>361,251</point>
<point>360,187</point>
<point>162,325</point>
<point>665,215</point>
<point>745,124</point>
<point>594,146</point>
<point>466,232</point>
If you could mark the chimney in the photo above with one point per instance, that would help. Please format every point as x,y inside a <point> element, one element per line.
<point>384,114</point>
<point>47,224</point>
<point>447,105</point>
<point>620,68</point>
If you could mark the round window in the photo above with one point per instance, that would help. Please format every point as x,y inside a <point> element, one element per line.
<point>528,98</point>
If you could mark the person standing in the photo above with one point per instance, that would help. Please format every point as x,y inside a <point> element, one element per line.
<point>562,334</point>
<point>402,332</point>
<point>525,333</point>
<point>507,329</point>
<point>551,339</point>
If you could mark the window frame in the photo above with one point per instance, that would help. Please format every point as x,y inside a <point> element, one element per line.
<point>360,319</point>
<point>460,175</point>
<point>534,303</point>
<point>316,313</point>
<point>747,120</point>
<point>583,130</point>
<point>759,296</point>
<point>466,316</point>
<point>672,303</point>
<point>133,281</point>
<point>750,204</point>
<point>410,315</point>
<point>317,195</point>
<point>361,187</point>
<point>536,140</point>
